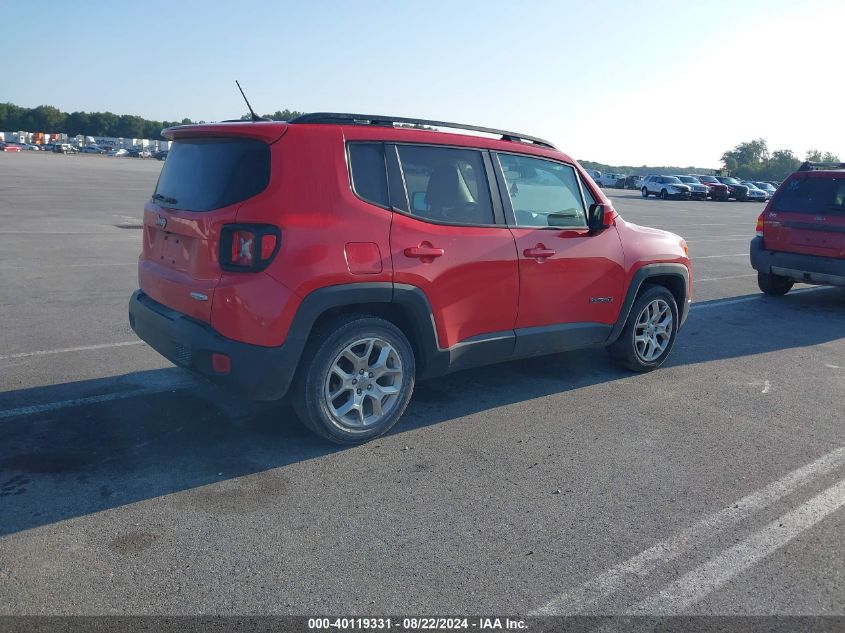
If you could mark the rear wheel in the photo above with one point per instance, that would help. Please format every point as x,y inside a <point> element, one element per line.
<point>356,379</point>
<point>649,332</point>
<point>776,285</point>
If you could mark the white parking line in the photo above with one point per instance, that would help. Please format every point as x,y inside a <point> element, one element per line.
<point>727,277</point>
<point>718,303</point>
<point>30,267</point>
<point>704,580</point>
<point>635,569</point>
<point>724,238</point>
<point>108,397</point>
<point>119,233</point>
<point>719,256</point>
<point>84,348</point>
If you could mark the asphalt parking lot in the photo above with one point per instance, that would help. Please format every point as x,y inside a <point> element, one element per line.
<point>560,485</point>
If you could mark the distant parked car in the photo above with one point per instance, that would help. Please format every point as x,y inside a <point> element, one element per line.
<point>160,154</point>
<point>29,147</point>
<point>736,189</point>
<point>768,187</point>
<point>92,149</point>
<point>698,190</point>
<point>754,192</point>
<point>610,180</point>
<point>64,148</point>
<point>595,174</point>
<point>633,182</point>
<point>665,187</point>
<point>9,147</point>
<point>716,189</point>
<point>117,152</point>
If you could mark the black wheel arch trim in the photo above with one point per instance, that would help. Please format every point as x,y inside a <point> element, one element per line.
<point>434,360</point>
<point>641,276</point>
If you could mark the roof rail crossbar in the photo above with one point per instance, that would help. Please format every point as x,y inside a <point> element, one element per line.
<point>339,118</point>
<point>810,166</point>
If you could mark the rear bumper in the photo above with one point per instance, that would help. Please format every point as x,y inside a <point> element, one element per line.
<point>809,269</point>
<point>257,373</point>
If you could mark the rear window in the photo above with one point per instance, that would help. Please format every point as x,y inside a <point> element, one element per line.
<point>203,174</point>
<point>811,195</point>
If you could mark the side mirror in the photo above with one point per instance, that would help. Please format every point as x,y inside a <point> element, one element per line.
<point>600,217</point>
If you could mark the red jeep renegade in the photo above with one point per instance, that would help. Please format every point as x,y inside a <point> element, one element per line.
<point>801,232</point>
<point>341,258</point>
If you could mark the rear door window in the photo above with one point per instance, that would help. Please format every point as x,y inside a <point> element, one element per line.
<point>369,176</point>
<point>446,185</point>
<point>811,195</point>
<point>204,174</point>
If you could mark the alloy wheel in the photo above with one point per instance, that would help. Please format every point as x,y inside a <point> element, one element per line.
<point>364,383</point>
<point>653,330</point>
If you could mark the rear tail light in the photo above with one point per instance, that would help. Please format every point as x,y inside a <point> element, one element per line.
<point>759,227</point>
<point>248,247</point>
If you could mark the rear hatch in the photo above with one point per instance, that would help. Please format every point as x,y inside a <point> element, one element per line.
<point>807,215</point>
<point>203,182</point>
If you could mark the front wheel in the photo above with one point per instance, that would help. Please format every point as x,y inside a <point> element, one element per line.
<point>776,285</point>
<point>356,379</point>
<point>664,194</point>
<point>649,333</point>
<point>644,192</point>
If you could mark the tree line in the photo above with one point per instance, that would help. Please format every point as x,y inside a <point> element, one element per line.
<point>752,160</point>
<point>50,119</point>
<point>643,170</point>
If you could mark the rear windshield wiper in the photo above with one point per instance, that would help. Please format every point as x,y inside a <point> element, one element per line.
<point>165,199</point>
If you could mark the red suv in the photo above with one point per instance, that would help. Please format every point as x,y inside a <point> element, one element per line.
<point>801,232</point>
<point>341,258</point>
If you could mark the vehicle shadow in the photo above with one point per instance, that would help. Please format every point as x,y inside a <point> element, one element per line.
<point>164,432</point>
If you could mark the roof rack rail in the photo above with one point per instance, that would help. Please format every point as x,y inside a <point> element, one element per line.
<point>810,166</point>
<point>339,118</point>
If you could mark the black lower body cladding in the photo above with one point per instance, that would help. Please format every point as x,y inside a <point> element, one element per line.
<point>809,269</point>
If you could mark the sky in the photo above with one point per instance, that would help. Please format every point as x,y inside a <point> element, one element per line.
<point>624,83</point>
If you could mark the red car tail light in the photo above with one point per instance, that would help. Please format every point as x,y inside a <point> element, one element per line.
<point>248,247</point>
<point>760,223</point>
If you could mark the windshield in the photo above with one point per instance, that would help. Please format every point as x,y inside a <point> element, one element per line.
<point>202,174</point>
<point>729,181</point>
<point>671,180</point>
<point>811,195</point>
<point>688,179</point>
<point>710,179</point>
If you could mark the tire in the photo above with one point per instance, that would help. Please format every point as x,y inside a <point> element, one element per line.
<point>644,192</point>
<point>643,356</point>
<point>329,355</point>
<point>775,285</point>
<point>664,195</point>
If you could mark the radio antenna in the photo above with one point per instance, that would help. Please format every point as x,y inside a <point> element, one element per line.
<point>254,116</point>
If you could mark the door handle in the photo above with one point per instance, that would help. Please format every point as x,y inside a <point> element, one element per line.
<point>539,252</point>
<point>424,251</point>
